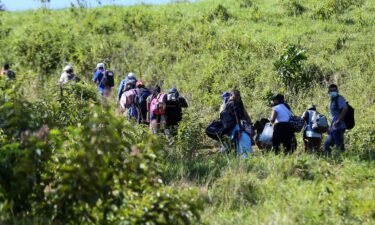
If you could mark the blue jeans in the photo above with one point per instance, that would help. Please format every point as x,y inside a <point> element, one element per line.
<point>335,137</point>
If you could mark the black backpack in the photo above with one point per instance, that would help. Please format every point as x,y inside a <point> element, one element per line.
<point>349,116</point>
<point>228,116</point>
<point>11,75</point>
<point>141,97</point>
<point>110,79</point>
<point>215,130</point>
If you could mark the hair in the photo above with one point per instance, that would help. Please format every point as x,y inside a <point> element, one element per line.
<point>6,66</point>
<point>156,91</point>
<point>333,86</point>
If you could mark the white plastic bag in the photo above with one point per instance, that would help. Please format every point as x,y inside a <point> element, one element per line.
<point>266,136</point>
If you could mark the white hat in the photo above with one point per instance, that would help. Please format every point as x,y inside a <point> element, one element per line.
<point>131,75</point>
<point>100,65</point>
<point>68,67</point>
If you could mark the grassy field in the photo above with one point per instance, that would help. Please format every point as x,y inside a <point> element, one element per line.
<point>203,49</point>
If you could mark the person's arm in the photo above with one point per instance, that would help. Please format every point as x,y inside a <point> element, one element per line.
<point>342,115</point>
<point>273,116</point>
<point>120,90</point>
<point>305,116</point>
<point>183,103</point>
<point>247,117</point>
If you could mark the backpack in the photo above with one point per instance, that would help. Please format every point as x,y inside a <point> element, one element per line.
<point>110,80</point>
<point>127,98</point>
<point>228,116</point>
<point>11,75</point>
<point>140,99</point>
<point>130,84</point>
<point>215,130</point>
<point>158,104</point>
<point>297,123</point>
<point>349,116</point>
<point>319,122</point>
<point>172,97</point>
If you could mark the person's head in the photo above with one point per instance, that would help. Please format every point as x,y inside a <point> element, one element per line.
<point>68,69</point>
<point>131,76</point>
<point>6,66</point>
<point>311,107</point>
<point>140,84</point>
<point>156,90</point>
<point>333,90</point>
<point>235,95</point>
<point>277,99</point>
<point>100,66</point>
<point>174,91</point>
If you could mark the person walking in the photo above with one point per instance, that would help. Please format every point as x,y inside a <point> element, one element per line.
<point>128,83</point>
<point>67,75</point>
<point>7,72</point>
<point>156,105</point>
<point>98,77</point>
<point>311,138</point>
<point>337,111</point>
<point>282,130</point>
<point>173,111</point>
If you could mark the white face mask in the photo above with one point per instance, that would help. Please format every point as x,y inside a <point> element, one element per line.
<point>333,94</point>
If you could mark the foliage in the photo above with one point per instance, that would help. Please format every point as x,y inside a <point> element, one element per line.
<point>69,159</point>
<point>294,8</point>
<point>97,171</point>
<point>289,67</point>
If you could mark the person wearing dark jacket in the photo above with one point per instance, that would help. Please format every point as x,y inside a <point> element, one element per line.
<point>235,105</point>
<point>282,130</point>
<point>173,111</point>
<point>237,124</point>
<point>8,73</point>
<point>142,93</point>
<point>337,110</point>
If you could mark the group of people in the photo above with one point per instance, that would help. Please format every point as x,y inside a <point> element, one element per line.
<point>161,111</point>
<point>234,122</point>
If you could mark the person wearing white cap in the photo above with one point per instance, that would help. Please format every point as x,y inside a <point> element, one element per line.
<point>126,84</point>
<point>67,75</point>
<point>98,77</point>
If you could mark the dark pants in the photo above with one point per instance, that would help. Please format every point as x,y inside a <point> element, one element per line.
<point>335,137</point>
<point>282,134</point>
<point>312,144</point>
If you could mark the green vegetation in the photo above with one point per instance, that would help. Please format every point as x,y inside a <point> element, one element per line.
<point>72,159</point>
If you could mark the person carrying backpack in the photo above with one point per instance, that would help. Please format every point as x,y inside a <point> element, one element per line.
<point>98,78</point>
<point>312,138</point>
<point>237,124</point>
<point>156,105</point>
<point>338,109</point>
<point>140,102</point>
<point>282,130</point>
<point>67,75</point>
<point>173,111</point>
<point>7,72</point>
<point>126,84</point>
<point>108,79</point>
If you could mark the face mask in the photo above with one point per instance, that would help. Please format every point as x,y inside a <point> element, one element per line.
<point>333,94</point>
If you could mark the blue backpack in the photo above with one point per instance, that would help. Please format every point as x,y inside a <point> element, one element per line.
<point>141,97</point>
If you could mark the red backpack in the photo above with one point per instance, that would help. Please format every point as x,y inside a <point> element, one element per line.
<point>158,104</point>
